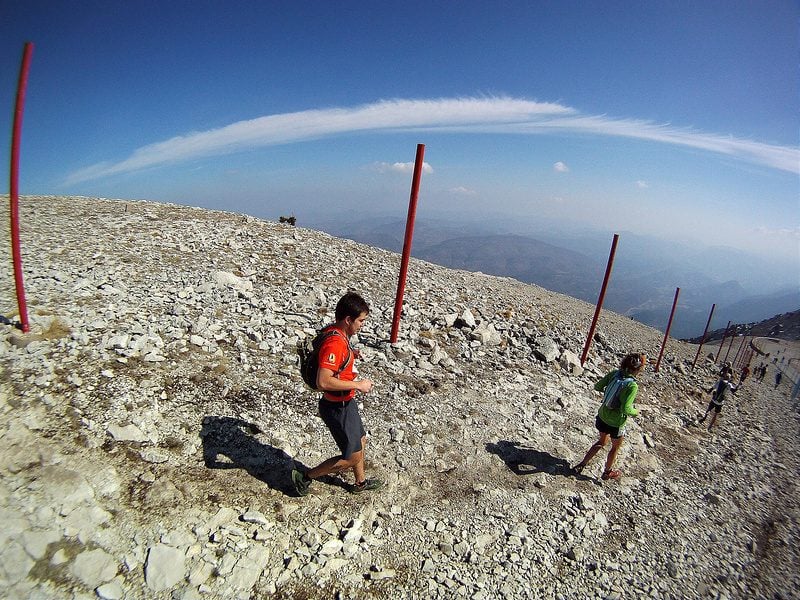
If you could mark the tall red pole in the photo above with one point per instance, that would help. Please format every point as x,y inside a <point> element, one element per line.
<point>600,298</point>
<point>669,325</point>
<point>14,184</point>
<point>412,214</point>
<point>722,341</point>
<point>703,339</point>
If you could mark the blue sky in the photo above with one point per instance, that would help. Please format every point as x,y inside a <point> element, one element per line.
<point>678,119</point>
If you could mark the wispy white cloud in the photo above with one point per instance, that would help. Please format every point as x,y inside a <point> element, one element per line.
<point>642,185</point>
<point>473,115</point>
<point>560,167</point>
<point>462,191</point>
<point>401,167</point>
<point>784,232</point>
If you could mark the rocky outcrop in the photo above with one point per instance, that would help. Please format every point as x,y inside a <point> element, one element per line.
<point>151,417</point>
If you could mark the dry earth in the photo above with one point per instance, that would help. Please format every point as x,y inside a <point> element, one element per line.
<point>152,415</point>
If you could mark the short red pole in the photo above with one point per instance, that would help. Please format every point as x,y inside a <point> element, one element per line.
<point>722,341</point>
<point>739,351</point>
<point>729,349</point>
<point>744,358</point>
<point>14,184</point>
<point>669,325</point>
<point>600,298</point>
<point>748,356</point>
<point>412,213</point>
<point>703,339</point>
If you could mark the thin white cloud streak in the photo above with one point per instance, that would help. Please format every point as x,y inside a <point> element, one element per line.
<point>477,115</point>
<point>787,232</point>
<point>462,191</point>
<point>402,167</point>
<point>560,167</point>
<point>783,158</point>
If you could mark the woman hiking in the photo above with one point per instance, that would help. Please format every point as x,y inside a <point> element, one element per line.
<point>619,389</point>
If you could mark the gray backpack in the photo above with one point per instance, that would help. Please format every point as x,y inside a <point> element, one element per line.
<point>614,390</point>
<point>721,392</point>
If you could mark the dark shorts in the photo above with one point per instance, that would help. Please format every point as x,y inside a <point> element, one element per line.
<point>603,427</point>
<point>716,407</point>
<point>344,423</point>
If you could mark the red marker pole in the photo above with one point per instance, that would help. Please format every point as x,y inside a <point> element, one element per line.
<point>729,349</point>
<point>739,351</point>
<point>722,341</point>
<point>703,339</point>
<point>14,186</point>
<point>412,214</point>
<point>600,298</point>
<point>669,324</point>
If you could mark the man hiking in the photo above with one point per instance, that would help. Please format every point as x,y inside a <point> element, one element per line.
<point>744,374</point>
<point>337,406</point>
<point>720,392</point>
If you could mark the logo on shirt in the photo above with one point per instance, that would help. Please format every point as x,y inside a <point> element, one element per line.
<point>331,358</point>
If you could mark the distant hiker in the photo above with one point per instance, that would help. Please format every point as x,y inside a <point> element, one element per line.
<point>720,392</point>
<point>745,372</point>
<point>726,371</point>
<point>762,371</point>
<point>337,407</point>
<point>619,389</point>
<point>778,377</point>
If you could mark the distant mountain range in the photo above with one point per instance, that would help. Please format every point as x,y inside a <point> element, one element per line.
<point>785,326</point>
<point>645,274</point>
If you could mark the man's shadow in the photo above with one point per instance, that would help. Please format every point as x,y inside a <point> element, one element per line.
<point>230,443</point>
<point>524,460</point>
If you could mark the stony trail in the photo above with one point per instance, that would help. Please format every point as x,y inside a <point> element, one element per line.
<point>152,415</point>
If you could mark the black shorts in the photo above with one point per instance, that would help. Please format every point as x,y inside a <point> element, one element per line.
<point>717,407</point>
<point>603,427</point>
<point>344,423</point>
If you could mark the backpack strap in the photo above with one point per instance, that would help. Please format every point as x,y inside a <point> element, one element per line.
<point>349,353</point>
<point>334,331</point>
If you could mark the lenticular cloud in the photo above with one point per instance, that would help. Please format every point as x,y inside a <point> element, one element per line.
<point>500,115</point>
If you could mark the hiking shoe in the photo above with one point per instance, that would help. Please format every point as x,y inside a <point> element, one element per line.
<point>611,474</point>
<point>366,485</point>
<point>301,482</point>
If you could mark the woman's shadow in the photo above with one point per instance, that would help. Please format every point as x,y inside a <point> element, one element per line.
<point>524,460</point>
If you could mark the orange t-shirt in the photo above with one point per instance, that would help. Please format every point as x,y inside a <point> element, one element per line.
<point>332,354</point>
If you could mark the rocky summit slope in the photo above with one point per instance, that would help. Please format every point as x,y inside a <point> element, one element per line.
<point>151,417</point>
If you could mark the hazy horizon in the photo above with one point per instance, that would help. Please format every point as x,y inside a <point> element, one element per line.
<point>550,231</point>
<point>678,121</point>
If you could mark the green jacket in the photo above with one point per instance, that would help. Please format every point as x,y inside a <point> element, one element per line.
<point>617,418</point>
